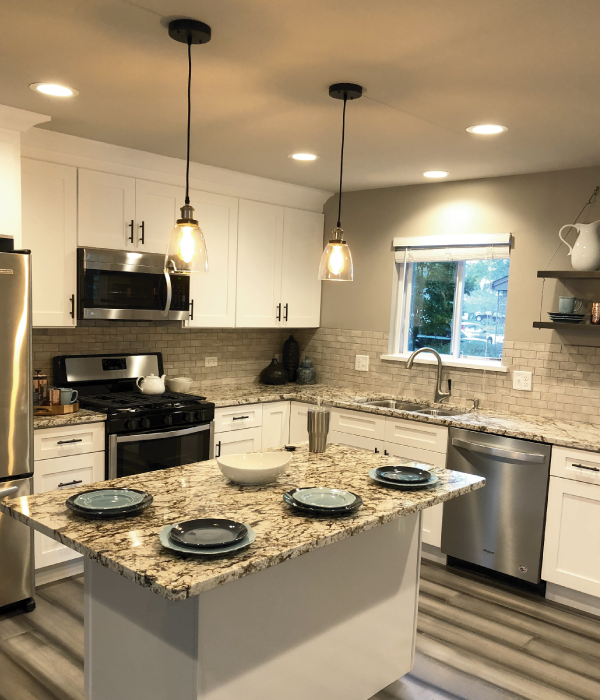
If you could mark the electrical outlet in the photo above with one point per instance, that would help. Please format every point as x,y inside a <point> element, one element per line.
<point>210,361</point>
<point>522,381</point>
<point>362,363</point>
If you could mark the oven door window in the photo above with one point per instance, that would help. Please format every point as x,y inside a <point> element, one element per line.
<point>107,289</point>
<point>137,454</point>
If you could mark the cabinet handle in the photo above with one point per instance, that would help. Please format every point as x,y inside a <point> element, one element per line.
<point>279,312</point>
<point>240,417</point>
<point>219,448</point>
<point>286,312</point>
<point>192,310</point>
<point>582,466</point>
<point>68,442</point>
<point>386,453</point>
<point>72,300</point>
<point>377,450</point>
<point>142,238</point>
<point>130,237</point>
<point>70,483</point>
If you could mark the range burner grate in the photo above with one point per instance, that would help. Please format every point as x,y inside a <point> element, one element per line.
<point>130,399</point>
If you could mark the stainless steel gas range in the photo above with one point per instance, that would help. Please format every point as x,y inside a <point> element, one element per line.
<point>144,432</point>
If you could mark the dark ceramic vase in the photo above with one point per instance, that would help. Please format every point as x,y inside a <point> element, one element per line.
<point>291,357</point>
<point>273,374</point>
<point>306,372</point>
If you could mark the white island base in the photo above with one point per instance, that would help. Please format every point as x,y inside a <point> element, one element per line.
<point>337,623</point>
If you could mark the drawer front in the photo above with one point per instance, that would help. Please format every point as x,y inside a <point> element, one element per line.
<point>418,454</point>
<point>576,465</point>
<point>361,443</point>
<point>238,442</point>
<point>357,423</point>
<point>238,417</point>
<point>415,434</point>
<point>49,443</point>
<point>298,422</point>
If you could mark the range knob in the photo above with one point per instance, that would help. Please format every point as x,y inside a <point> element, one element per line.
<point>145,423</point>
<point>131,424</point>
<point>168,420</point>
<point>189,417</point>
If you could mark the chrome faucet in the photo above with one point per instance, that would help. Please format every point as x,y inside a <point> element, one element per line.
<point>439,394</point>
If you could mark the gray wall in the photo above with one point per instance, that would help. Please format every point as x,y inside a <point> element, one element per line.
<point>531,207</point>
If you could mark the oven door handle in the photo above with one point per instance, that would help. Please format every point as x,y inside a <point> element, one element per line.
<point>143,437</point>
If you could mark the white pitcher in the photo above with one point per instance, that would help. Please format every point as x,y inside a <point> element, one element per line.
<point>585,254</point>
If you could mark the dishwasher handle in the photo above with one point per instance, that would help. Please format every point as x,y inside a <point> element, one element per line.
<point>514,455</point>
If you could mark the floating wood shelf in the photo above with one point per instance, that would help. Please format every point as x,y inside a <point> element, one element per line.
<point>585,327</point>
<point>570,274</point>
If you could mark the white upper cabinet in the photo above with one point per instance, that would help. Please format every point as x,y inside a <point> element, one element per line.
<point>212,295</point>
<point>260,240</point>
<point>302,249</point>
<point>106,211</point>
<point>49,213</point>
<point>278,262</point>
<point>156,211</point>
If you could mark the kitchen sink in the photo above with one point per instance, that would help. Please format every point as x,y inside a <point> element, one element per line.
<point>396,405</point>
<point>441,412</point>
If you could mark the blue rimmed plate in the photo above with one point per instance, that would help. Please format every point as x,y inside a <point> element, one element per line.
<point>166,541</point>
<point>324,498</point>
<point>109,503</point>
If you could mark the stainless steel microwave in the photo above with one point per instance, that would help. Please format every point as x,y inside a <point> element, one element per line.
<point>118,285</point>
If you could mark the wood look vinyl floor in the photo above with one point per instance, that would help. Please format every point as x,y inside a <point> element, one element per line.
<point>476,641</point>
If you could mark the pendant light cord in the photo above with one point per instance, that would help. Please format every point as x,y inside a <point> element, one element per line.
<point>339,223</point>
<point>189,118</point>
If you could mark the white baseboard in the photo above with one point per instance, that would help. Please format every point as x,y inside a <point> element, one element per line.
<point>432,553</point>
<point>48,574</point>
<point>574,599</point>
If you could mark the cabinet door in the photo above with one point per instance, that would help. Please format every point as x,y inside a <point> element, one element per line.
<point>49,213</point>
<point>212,295</point>
<point>157,209</point>
<point>431,520</point>
<point>51,474</point>
<point>238,442</point>
<point>413,433</point>
<point>302,249</point>
<point>298,422</point>
<point>106,211</point>
<point>357,423</point>
<point>260,238</point>
<point>275,424</point>
<point>358,441</point>
<point>572,542</point>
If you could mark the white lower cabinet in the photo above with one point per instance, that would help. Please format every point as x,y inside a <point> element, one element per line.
<point>572,541</point>
<point>298,422</point>
<point>238,442</point>
<point>276,424</point>
<point>62,472</point>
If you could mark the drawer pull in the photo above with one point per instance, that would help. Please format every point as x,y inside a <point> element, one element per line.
<point>219,448</point>
<point>240,417</point>
<point>582,466</point>
<point>70,483</point>
<point>69,442</point>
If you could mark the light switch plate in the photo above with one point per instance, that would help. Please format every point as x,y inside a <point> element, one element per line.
<point>362,363</point>
<point>210,361</point>
<point>522,381</point>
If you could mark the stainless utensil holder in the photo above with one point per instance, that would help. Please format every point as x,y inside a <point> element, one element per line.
<point>318,428</point>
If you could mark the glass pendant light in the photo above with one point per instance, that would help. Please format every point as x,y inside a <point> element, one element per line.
<point>186,250</point>
<point>336,261</point>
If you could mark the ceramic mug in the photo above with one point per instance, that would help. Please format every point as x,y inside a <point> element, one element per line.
<point>68,396</point>
<point>569,305</point>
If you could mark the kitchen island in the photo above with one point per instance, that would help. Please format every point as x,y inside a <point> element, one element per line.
<point>319,609</point>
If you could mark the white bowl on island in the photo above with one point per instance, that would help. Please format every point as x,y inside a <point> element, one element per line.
<point>254,468</point>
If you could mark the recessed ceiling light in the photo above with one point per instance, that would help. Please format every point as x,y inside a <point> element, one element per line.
<point>486,129</point>
<point>54,90</point>
<point>304,156</point>
<point>436,173</point>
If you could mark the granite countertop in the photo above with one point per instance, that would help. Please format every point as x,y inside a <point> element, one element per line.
<point>80,416</point>
<point>131,547</point>
<point>582,436</point>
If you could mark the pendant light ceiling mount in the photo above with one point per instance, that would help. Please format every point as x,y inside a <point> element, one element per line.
<point>348,91</point>
<point>189,31</point>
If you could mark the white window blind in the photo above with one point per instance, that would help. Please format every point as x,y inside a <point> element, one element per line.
<point>493,246</point>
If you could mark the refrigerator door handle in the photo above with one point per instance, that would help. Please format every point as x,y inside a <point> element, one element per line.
<point>8,492</point>
<point>514,455</point>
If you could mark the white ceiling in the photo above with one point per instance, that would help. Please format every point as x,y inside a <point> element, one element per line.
<point>431,68</point>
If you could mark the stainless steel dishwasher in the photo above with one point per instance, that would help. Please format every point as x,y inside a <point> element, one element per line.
<point>501,526</point>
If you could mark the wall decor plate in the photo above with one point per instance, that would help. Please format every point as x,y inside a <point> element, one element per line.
<point>208,532</point>
<point>405,487</point>
<point>167,542</point>
<point>403,474</point>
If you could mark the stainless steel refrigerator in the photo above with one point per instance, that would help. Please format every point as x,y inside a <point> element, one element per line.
<point>16,426</point>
